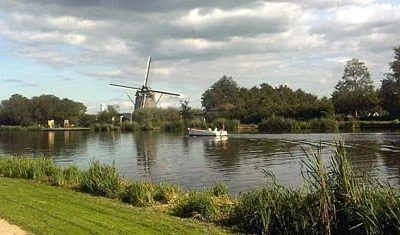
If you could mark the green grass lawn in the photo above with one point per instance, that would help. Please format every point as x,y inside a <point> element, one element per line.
<point>44,209</point>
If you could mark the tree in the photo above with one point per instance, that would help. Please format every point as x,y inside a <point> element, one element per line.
<point>186,110</point>
<point>15,111</point>
<point>390,88</point>
<point>355,93</point>
<point>107,115</point>
<point>221,95</point>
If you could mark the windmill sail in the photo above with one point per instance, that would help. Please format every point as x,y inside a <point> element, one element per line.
<point>145,96</point>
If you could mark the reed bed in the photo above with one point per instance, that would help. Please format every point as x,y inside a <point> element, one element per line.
<point>333,200</point>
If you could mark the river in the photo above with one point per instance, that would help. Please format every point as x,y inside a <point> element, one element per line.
<point>197,162</point>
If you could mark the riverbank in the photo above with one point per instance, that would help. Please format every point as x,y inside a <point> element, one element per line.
<point>43,209</point>
<point>335,199</point>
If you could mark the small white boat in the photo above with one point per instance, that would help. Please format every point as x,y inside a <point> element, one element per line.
<point>208,132</point>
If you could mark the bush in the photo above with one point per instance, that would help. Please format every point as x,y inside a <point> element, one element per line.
<point>323,124</point>
<point>177,125</point>
<point>230,124</point>
<point>40,168</point>
<point>218,189</point>
<point>197,205</point>
<point>197,123</point>
<point>101,180</point>
<point>127,126</point>
<point>166,193</point>
<point>275,210</point>
<point>275,123</point>
<point>138,194</point>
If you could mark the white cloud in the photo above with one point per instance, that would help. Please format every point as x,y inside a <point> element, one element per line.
<point>301,43</point>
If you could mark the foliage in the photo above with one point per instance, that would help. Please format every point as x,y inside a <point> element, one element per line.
<point>355,93</point>
<point>40,168</point>
<point>225,99</point>
<point>195,205</point>
<point>227,124</point>
<point>276,123</point>
<point>101,180</point>
<point>335,201</point>
<point>390,87</point>
<point>109,116</point>
<point>166,193</point>
<point>222,94</point>
<point>19,110</point>
<point>138,194</point>
<point>323,124</point>
<point>218,189</point>
<point>186,111</point>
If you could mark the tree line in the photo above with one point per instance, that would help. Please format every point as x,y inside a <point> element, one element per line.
<point>354,95</point>
<point>19,110</point>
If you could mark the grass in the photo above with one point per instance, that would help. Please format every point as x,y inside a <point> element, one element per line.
<point>43,209</point>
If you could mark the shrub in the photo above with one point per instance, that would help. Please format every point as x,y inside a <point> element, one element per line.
<point>138,194</point>
<point>127,126</point>
<point>218,189</point>
<point>177,125</point>
<point>323,124</point>
<point>229,124</point>
<point>101,180</point>
<point>273,210</point>
<point>197,205</point>
<point>275,123</point>
<point>165,193</point>
<point>39,168</point>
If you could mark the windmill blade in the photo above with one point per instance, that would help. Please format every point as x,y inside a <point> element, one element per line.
<point>159,98</point>
<point>164,92</point>
<point>123,86</point>
<point>146,79</point>
<point>130,98</point>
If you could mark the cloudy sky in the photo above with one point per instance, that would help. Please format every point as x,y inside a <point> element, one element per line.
<point>74,48</point>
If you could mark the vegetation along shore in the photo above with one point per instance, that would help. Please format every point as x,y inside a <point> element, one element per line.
<point>335,199</point>
<point>354,103</point>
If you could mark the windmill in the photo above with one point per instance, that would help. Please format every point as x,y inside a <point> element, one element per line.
<point>145,96</point>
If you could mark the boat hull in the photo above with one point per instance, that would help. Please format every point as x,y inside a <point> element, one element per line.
<point>197,132</point>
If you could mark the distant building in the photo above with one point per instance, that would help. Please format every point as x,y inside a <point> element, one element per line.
<point>103,107</point>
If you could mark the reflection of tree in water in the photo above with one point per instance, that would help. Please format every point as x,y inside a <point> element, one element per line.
<point>226,154</point>
<point>146,147</point>
<point>364,155</point>
<point>391,160</point>
<point>109,139</point>
<point>367,154</point>
<point>43,143</point>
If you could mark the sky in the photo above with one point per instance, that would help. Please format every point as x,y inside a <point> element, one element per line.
<point>74,49</point>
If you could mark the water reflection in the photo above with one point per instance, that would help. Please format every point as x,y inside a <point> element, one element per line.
<point>146,147</point>
<point>198,162</point>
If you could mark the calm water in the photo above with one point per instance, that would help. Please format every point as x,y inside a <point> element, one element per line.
<point>197,162</point>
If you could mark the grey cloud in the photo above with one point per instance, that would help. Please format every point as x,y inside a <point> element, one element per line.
<point>21,82</point>
<point>237,38</point>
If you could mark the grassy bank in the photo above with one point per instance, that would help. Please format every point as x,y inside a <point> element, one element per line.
<point>43,209</point>
<point>334,200</point>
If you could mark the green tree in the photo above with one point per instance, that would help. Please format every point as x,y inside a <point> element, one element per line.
<point>221,95</point>
<point>186,109</point>
<point>355,93</point>
<point>15,111</point>
<point>107,115</point>
<point>390,88</point>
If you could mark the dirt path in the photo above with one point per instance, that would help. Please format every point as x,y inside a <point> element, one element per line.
<point>10,229</point>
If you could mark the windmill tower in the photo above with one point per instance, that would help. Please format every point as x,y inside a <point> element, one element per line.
<point>145,96</point>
